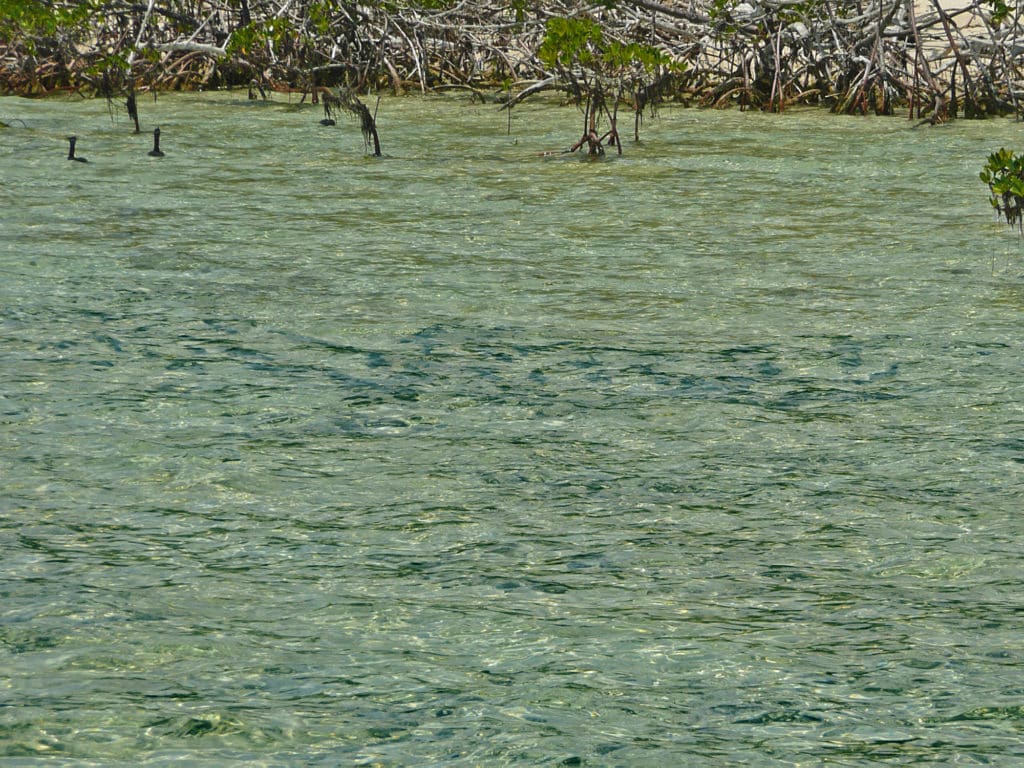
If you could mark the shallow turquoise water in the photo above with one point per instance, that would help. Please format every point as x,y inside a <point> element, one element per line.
<point>710,454</point>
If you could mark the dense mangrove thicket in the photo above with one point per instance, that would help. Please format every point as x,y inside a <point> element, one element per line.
<point>927,58</point>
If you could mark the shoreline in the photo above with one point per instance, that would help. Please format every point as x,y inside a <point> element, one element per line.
<point>942,61</point>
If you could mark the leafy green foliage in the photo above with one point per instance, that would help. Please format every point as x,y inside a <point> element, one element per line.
<point>112,62</point>
<point>580,41</point>
<point>728,20</point>
<point>252,37</point>
<point>25,19</point>
<point>1004,174</point>
<point>26,16</point>
<point>321,14</point>
<point>647,57</point>
<point>1000,11</point>
<point>568,41</point>
<point>519,7</point>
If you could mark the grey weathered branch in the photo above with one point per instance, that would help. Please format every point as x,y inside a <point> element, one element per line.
<point>210,50</point>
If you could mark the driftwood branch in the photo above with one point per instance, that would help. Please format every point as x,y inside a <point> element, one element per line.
<point>209,50</point>
<point>548,82</point>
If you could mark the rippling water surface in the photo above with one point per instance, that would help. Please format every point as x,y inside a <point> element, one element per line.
<point>711,454</point>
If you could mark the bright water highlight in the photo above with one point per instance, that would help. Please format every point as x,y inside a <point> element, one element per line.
<point>710,454</point>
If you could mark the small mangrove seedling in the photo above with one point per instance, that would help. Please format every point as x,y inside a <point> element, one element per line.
<point>331,105</point>
<point>254,86</point>
<point>1004,174</point>
<point>72,140</point>
<point>155,151</point>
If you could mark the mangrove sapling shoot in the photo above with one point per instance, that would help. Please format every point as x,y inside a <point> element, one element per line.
<point>1004,174</point>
